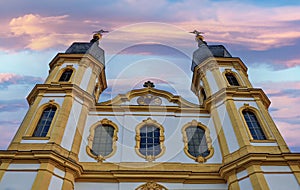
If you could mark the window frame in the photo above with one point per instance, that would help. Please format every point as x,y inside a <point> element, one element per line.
<point>199,158</point>
<point>263,125</point>
<point>150,122</point>
<point>40,128</point>
<point>36,118</point>
<point>101,158</point>
<point>235,75</point>
<point>62,70</point>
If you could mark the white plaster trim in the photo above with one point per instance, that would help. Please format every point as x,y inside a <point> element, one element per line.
<point>34,141</point>
<point>276,168</point>
<point>264,144</point>
<point>23,166</point>
<point>242,174</point>
<point>59,172</point>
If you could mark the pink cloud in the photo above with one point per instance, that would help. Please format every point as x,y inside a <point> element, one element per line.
<point>34,24</point>
<point>4,77</point>
<point>43,32</point>
<point>290,132</point>
<point>7,79</point>
<point>289,63</point>
<point>284,108</point>
<point>225,22</point>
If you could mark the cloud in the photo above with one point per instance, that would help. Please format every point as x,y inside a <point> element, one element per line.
<point>7,79</point>
<point>12,105</point>
<point>7,131</point>
<point>34,24</point>
<point>290,132</point>
<point>41,33</point>
<point>289,63</point>
<point>223,22</point>
<point>285,98</point>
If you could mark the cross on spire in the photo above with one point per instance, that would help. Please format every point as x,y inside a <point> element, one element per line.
<point>149,84</point>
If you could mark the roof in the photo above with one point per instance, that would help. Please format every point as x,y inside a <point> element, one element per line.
<point>91,48</point>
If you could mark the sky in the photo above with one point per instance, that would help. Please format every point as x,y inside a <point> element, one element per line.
<point>152,36</point>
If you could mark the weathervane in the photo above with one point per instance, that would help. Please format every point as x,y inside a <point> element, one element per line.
<point>198,35</point>
<point>98,35</point>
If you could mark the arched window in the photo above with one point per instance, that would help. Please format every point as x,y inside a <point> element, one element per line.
<point>102,140</point>
<point>150,144</point>
<point>66,75</point>
<point>149,139</point>
<point>197,141</point>
<point>253,125</point>
<point>197,145</point>
<point>45,121</point>
<point>232,79</point>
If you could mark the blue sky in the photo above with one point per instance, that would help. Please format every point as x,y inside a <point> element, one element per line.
<point>148,34</point>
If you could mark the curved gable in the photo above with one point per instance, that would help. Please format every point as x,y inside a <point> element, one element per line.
<point>152,95</point>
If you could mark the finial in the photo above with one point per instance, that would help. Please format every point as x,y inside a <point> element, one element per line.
<point>199,38</point>
<point>97,35</point>
<point>198,35</point>
<point>149,84</point>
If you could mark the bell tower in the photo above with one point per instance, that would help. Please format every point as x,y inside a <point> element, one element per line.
<point>239,112</point>
<point>59,107</point>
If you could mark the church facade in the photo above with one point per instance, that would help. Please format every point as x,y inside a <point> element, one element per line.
<point>148,138</point>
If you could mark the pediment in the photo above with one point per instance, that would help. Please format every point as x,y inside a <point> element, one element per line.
<point>149,97</point>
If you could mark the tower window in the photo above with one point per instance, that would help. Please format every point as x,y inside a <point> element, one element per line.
<point>253,125</point>
<point>66,75</point>
<point>45,122</point>
<point>149,140</point>
<point>197,142</point>
<point>232,79</point>
<point>103,140</point>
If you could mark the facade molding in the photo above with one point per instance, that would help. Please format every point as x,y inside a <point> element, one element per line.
<point>147,122</point>
<point>210,148</point>
<point>265,128</point>
<point>144,91</point>
<point>35,119</point>
<point>89,147</point>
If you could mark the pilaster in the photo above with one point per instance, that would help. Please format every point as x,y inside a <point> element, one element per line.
<point>236,122</point>
<point>257,178</point>
<point>233,183</point>
<point>79,130</point>
<point>26,122</point>
<point>3,166</point>
<point>219,130</point>
<point>271,125</point>
<point>69,180</point>
<point>62,119</point>
<point>43,177</point>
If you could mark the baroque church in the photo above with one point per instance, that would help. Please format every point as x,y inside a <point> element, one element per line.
<point>69,140</point>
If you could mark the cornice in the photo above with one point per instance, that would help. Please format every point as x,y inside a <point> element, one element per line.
<point>231,92</point>
<point>61,57</point>
<point>67,89</point>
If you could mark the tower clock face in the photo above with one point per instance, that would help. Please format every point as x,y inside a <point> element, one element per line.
<point>149,100</point>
